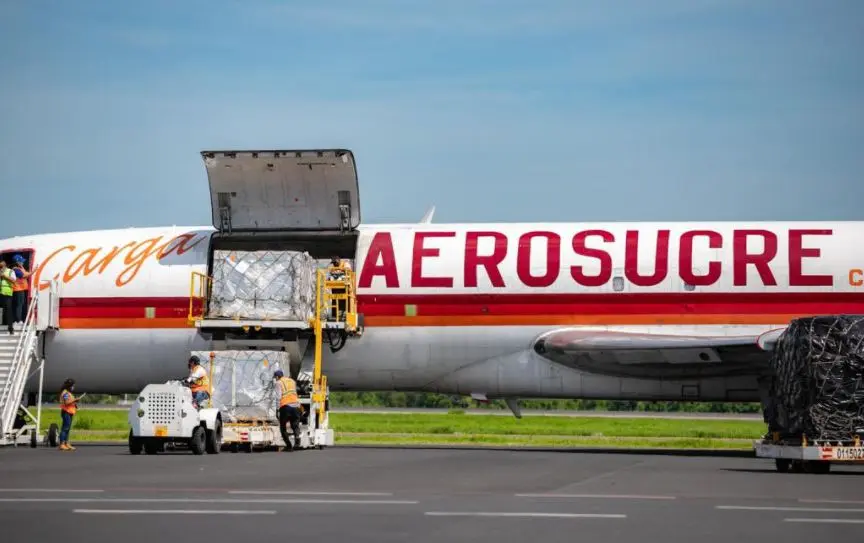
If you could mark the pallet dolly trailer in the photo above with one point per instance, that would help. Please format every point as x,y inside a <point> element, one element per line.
<point>799,455</point>
<point>257,434</point>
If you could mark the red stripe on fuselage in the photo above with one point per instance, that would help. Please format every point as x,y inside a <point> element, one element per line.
<point>517,304</point>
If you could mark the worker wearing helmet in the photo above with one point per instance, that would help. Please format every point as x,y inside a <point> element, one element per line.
<point>199,382</point>
<point>19,290</point>
<point>289,408</point>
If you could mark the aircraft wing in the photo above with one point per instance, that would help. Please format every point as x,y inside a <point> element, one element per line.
<point>656,355</point>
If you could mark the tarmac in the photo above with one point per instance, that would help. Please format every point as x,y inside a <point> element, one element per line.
<point>370,494</point>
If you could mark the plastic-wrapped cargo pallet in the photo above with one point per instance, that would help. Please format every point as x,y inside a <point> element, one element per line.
<point>263,285</point>
<point>243,387</point>
<point>817,382</point>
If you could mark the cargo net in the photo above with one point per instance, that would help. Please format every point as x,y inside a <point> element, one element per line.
<point>242,383</point>
<point>817,381</point>
<point>263,285</point>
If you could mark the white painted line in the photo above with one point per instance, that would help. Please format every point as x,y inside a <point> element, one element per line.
<point>309,493</point>
<point>852,502</point>
<point>598,496</point>
<point>199,500</point>
<point>528,515</point>
<point>827,520</point>
<point>168,512</point>
<point>69,490</point>
<point>809,509</point>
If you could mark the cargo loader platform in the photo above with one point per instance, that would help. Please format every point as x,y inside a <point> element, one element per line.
<point>267,296</point>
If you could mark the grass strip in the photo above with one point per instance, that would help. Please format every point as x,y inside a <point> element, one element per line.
<point>458,424</point>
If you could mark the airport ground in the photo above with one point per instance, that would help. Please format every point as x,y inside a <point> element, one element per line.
<point>368,494</point>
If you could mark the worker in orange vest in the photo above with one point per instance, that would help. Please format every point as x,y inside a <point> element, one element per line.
<point>20,290</point>
<point>68,408</point>
<point>289,408</point>
<point>199,382</point>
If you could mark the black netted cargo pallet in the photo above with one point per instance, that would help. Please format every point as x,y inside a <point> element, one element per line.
<point>817,381</point>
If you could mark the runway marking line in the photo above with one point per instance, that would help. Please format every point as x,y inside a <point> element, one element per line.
<point>309,493</point>
<point>169,512</point>
<point>598,496</point>
<point>827,520</point>
<point>68,490</point>
<point>202,500</point>
<point>525,515</point>
<point>850,502</point>
<point>808,509</point>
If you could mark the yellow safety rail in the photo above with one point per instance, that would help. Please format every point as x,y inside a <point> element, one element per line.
<point>199,289</point>
<point>327,301</point>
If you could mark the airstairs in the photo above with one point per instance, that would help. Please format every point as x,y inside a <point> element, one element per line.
<point>20,361</point>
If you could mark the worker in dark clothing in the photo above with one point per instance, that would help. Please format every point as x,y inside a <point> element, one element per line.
<point>289,408</point>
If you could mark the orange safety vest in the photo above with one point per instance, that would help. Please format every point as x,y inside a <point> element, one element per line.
<point>67,402</point>
<point>201,384</point>
<point>289,392</point>
<point>20,284</point>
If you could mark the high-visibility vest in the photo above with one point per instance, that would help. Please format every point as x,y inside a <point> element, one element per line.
<point>67,402</point>
<point>201,384</point>
<point>289,392</point>
<point>21,284</point>
<point>5,286</point>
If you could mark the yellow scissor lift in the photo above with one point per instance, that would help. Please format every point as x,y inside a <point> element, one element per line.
<point>335,309</point>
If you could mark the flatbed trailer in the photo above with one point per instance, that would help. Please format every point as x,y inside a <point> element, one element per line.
<point>800,455</point>
<point>257,434</point>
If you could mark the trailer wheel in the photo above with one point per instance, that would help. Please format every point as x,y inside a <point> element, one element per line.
<point>197,443</point>
<point>782,465</point>
<point>53,432</point>
<point>33,442</point>
<point>214,438</point>
<point>135,444</point>
<point>152,447</point>
<point>821,468</point>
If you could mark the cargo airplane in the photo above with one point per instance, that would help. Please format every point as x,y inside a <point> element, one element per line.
<point>610,310</point>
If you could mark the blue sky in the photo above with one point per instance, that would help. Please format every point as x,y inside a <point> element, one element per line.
<point>491,110</point>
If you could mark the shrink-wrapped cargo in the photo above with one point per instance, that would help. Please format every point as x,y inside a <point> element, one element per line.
<point>817,380</point>
<point>263,285</point>
<point>242,382</point>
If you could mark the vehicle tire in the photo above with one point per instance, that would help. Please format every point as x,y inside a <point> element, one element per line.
<point>53,434</point>
<point>152,447</point>
<point>33,443</point>
<point>135,444</point>
<point>821,468</point>
<point>782,465</point>
<point>214,438</point>
<point>198,441</point>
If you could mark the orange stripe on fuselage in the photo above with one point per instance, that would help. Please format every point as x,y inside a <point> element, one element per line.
<point>97,323</point>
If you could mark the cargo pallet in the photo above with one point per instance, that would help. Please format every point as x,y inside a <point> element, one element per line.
<point>254,197</point>
<point>800,455</point>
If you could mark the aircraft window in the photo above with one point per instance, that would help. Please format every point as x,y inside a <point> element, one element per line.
<point>618,284</point>
<point>689,288</point>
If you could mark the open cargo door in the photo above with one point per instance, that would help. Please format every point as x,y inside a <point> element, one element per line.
<point>276,191</point>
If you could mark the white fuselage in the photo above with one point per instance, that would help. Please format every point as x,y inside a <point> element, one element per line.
<point>456,308</point>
